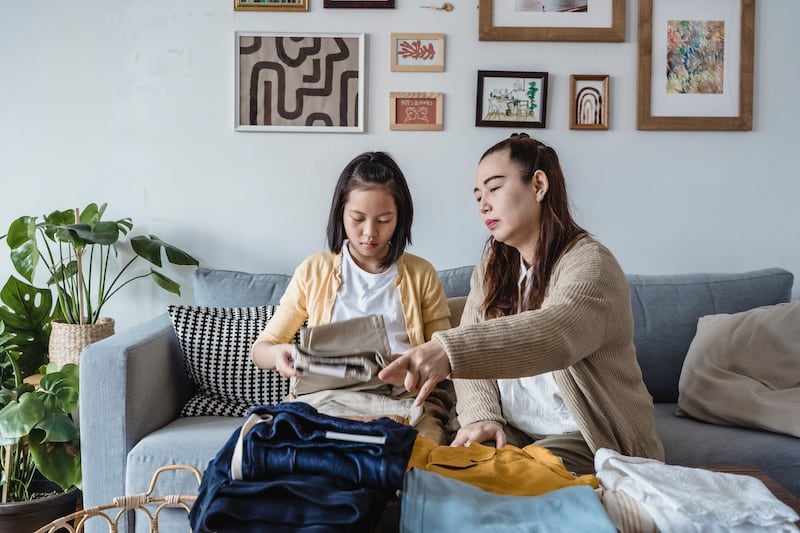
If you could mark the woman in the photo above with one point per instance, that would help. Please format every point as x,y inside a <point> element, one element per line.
<point>545,349</point>
<point>366,271</point>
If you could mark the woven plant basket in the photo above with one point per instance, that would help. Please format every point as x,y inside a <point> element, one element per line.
<point>68,340</point>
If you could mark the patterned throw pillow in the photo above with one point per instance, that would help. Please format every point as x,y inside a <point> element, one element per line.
<point>216,348</point>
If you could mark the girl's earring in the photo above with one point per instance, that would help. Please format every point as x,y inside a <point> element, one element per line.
<point>389,244</point>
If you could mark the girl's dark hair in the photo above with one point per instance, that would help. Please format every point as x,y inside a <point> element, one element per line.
<point>369,171</point>
<point>557,231</point>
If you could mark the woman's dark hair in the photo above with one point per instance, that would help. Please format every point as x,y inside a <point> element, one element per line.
<point>557,231</point>
<point>370,171</point>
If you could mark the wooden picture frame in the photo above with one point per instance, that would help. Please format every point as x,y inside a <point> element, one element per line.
<point>597,20</point>
<point>417,52</point>
<point>304,82</point>
<point>511,99</point>
<point>588,102</point>
<point>716,93</point>
<point>369,4</point>
<point>270,5</point>
<point>416,111</point>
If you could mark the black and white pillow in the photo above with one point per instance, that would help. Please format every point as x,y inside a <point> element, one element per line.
<point>216,345</point>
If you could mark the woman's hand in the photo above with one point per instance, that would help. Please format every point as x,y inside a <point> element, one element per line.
<point>480,432</point>
<point>419,369</point>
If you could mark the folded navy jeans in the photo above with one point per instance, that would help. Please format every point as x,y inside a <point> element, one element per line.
<point>295,441</point>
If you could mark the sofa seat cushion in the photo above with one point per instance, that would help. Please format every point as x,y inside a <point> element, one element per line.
<point>231,288</point>
<point>694,443</point>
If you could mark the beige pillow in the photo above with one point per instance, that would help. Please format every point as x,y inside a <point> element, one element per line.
<point>744,369</point>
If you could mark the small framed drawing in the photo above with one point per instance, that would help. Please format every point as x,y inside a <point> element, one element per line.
<point>416,111</point>
<point>588,102</point>
<point>695,65</point>
<point>307,82</point>
<point>510,98</point>
<point>270,5</point>
<point>417,52</point>
<point>376,4</point>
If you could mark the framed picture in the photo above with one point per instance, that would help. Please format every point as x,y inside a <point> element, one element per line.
<point>508,98</point>
<point>588,102</point>
<point>418,52</point>
<point>387,4</point>
<point>299,82</point>
<point>695,67</point>
<point>416,111</point>
<point>270,5</point>
<point>551,20</point>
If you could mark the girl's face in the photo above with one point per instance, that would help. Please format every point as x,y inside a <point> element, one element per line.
<point>509,207</point>
<point>370,218</point>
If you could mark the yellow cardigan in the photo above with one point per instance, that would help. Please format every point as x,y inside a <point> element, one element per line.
<point>312,292</point>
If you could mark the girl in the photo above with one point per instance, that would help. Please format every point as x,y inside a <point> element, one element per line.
<point>546,338</point>
<point>367,271</point>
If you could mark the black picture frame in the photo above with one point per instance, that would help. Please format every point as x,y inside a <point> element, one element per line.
<point>504,99</point>
<point>364,4</point>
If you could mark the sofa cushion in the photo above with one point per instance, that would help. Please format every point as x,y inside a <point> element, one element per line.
<point>743,369</point>
<point>216,348</point>
<point>230,288</point>
<point>455,281</point>
<point>666,309</point>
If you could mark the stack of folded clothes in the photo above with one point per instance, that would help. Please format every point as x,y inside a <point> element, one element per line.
<point>291,468</point>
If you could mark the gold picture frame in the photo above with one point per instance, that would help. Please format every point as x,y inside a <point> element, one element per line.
<point>588,102</point>
<point>270,5</point>
<point>417,52</point>
<point>669,101</point>
<point>416,111</point>
<point>610,17</point>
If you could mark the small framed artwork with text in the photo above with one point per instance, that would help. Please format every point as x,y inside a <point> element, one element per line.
<point>270,5</point>
<point>588,102</point>
<point>416,111</point>
<point>511,99</point>
<point>417,52</point>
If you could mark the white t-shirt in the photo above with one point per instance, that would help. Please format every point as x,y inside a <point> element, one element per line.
<point>534,404</point>
<point>364,293</point>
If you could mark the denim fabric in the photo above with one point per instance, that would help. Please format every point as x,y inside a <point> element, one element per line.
<point>295,442</point>
<point>297,480</point>
<point>435,503</point>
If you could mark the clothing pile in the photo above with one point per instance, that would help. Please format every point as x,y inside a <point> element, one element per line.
<point>291,468</point>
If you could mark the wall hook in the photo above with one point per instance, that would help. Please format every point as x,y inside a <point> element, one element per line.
<point>447,6</point>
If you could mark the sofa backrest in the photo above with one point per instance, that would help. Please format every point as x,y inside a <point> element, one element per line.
<point>666,309</point>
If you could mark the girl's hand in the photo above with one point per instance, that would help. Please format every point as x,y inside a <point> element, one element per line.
<point>480,432</point>
<point>283,360</point>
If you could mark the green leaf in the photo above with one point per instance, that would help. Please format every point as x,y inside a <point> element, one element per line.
<point>18,418</point>
<point>58,428</point>
<point>27,314</point>
<point>149,247</point>
<point>165,283</point>
<point>60,463</point>
<point>21,239</point>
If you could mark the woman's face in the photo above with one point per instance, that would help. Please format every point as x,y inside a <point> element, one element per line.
<point>509,207</point>
<point>370,218</point>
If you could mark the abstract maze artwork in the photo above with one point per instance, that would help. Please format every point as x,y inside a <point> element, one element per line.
<point>299,81</point>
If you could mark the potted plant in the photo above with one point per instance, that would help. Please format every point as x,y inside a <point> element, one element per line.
<point>80,251</point>
<point>40,455</point>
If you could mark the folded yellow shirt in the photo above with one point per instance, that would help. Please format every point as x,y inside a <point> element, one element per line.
<point>528,471</point>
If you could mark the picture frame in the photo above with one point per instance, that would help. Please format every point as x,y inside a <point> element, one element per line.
<point>716,93</point>
<point>416,111</point>
<point>270,5</point>
<point>508,98</point>
<point>417,52</point>
<point>525,20</point>
<point>369,4</point>
<point>303,82</point>
<point>588,101</point>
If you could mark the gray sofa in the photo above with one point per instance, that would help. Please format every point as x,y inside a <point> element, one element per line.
<point>133,384</point>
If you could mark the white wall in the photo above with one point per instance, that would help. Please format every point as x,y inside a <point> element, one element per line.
<point>131,103</point>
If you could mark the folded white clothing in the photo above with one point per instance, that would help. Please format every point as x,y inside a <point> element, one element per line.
<point>686,499</point>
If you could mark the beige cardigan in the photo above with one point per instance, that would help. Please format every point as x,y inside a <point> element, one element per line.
<point>583,332</point>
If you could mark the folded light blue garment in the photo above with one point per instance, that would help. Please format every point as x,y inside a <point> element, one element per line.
<point>431,502</point>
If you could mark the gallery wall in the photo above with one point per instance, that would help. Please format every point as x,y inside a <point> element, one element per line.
<point>132,103</point>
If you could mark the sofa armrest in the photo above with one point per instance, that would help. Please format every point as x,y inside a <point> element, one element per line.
<point>132,383</point>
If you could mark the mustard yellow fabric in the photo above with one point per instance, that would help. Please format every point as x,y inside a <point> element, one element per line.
<point>312,292</point>
<point>528,471</point>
